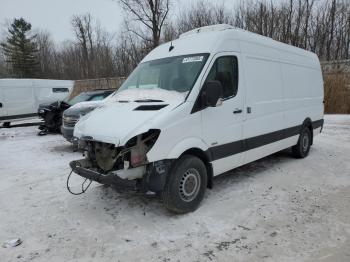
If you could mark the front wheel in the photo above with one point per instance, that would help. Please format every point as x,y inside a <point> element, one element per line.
<point>302,149</point>
<point>185,186</point>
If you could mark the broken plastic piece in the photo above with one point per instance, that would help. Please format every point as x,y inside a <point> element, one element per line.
<point>12,243</point>
<point>131,173</point>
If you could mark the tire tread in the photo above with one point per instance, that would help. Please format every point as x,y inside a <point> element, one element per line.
<point>171,201</point>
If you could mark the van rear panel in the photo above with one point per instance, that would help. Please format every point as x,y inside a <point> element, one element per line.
<point>303,93</point>
<point>20,98</point>
<point>284,87</point>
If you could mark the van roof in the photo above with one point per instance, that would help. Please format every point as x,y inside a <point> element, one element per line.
<point>222,37</point>
<point>26,82</point>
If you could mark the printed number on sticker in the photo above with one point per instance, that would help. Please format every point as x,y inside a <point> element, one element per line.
<point>192,59</point>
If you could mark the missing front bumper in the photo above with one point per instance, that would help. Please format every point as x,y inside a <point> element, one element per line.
<point>82,168</point>
<point>150,177</point>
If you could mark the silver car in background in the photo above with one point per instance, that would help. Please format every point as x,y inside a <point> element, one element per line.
<point>89,101</point>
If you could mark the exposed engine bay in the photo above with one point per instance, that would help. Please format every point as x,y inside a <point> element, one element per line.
<point>105,163</point>
<point>106,157</point>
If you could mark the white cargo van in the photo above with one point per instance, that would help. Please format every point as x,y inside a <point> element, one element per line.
<point>20,98</point>
<point>212,100</point>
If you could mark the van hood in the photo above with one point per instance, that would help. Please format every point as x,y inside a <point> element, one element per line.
<point>117,122</point>
<point>139,94</point>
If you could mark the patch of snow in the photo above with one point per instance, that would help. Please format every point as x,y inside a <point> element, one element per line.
<point>274,209</point>
<point>91,104</point>
<point>147,93</point>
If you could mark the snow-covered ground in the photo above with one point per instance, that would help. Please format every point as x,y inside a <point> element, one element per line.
<point>275,209</point>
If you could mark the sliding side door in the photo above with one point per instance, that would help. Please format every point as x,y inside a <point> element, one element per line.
<point>264,124</point>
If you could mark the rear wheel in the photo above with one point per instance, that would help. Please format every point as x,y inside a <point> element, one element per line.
<point>6,124</point>
<point>302,148</point>
<point>186,184</point>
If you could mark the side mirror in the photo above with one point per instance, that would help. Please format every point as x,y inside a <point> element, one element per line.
<point>212,93</point>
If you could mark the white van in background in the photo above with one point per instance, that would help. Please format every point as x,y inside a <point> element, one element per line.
<point>214,99</point>
<point>20,98</point>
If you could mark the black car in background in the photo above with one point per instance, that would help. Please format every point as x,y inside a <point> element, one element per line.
<point>51,113</point>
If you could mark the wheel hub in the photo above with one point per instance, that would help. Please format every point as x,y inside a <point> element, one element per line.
<point>305,142</point>
<point>189,185</point>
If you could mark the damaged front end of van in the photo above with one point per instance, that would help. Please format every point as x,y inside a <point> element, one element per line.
<point>107,163</point>
<point>119,138</point>
<point>118,135</point>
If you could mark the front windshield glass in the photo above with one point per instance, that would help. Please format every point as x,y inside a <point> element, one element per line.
<point>79,98</point>
<point>175,74</point>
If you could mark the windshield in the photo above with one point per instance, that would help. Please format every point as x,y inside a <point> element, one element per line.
<point>176,74</point>
<point>79,98</point>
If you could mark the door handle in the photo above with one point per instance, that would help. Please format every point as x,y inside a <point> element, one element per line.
<point>237,111</point>
<point>0,105</point>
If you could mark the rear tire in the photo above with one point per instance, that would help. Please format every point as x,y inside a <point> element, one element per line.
<point>6,124</point>
<point>302,148</point>
<point>185,186</point>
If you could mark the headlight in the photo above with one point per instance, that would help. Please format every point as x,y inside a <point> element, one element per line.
<point>140,145</point>
<point>70,121</point>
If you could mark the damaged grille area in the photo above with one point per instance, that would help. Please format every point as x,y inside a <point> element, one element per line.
<point>105,157</point>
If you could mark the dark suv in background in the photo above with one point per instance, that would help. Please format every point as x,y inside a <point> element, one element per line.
<point>51,113</point>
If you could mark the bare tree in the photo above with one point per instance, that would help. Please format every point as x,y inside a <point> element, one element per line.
<point>46,49</point>
<point>82,26</point>
<point>151,14</point>
<point>331,21</point>
<point>4,72</point>
<point>128,53</point>
<point>320,26</point>
<point>202,13</point>
<point>103,50</point>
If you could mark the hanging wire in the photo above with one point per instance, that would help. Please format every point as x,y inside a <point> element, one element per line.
<point>83,190</point>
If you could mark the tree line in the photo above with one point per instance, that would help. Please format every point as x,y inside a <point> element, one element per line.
<point>321,26</point>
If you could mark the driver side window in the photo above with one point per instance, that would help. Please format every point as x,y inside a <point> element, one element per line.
<point>225,70</point>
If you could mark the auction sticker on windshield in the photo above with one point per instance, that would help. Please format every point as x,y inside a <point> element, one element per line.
<point>192,59</point>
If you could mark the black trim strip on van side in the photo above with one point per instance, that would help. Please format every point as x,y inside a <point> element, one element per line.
<point>229,149</point>
<point>17,116</point>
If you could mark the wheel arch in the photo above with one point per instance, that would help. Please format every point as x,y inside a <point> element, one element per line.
<point>308,123</point>
<point>202,155</point>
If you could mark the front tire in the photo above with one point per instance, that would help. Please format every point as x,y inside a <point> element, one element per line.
<point>185,186</point>
<point>302,148</point>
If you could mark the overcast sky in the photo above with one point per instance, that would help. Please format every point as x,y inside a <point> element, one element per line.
<point>55,15</point>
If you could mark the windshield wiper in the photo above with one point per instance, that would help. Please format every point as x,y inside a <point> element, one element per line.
<point>148,100</point>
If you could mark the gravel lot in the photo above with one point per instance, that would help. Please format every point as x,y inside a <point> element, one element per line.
<point>275,209</point>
